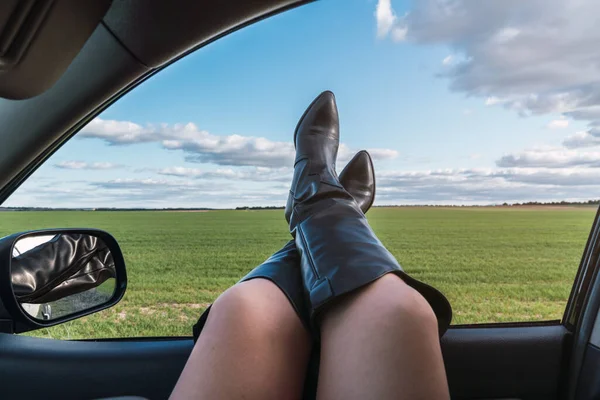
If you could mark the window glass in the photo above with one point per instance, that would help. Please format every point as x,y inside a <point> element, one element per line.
<point>482,122</point>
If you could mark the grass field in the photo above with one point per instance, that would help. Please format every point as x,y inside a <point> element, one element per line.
<point>494,264</point>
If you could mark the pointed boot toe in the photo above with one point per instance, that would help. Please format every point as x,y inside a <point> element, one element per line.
<point>359,179</point>
<point>321,115</point>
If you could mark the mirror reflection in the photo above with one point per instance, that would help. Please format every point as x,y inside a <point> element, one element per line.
<point>57,275</point>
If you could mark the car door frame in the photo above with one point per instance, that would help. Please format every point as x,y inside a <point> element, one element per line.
<point>488,342</point>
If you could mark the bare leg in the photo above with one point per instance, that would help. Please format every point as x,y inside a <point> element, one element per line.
<point>381,342</point>
<point>253,346</point>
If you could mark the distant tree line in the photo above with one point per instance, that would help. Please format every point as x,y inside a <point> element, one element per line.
<point>505,204</point>
<point>554,203</point>
<point>101,209</point>
<point>42,209</point>
<point>260,208</point>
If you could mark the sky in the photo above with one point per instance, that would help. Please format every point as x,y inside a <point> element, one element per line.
<point>458,101</point>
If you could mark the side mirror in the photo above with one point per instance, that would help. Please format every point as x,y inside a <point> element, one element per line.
<point>52,276</point>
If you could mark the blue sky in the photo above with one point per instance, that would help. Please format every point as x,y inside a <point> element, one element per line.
<point>460,104</point>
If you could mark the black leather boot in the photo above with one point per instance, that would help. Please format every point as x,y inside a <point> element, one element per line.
<point>339,250</point>
<point>283,267</point>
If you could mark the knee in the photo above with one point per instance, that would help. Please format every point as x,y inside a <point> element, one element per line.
<point>399,304</point>
<point>391,305</point>
<point>256,307</point>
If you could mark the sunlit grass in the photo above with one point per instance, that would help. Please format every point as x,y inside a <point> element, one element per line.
<point>494,264</point>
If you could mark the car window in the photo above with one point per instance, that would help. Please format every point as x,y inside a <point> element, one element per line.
<point>482,130</point>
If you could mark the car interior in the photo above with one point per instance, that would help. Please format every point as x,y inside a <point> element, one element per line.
<point>62,62</point>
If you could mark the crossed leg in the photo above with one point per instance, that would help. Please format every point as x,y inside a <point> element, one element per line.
<point>381,342</point>
<point>378,342</point>
<point>253,346</point>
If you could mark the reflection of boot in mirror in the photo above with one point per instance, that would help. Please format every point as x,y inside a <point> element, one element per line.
<point>64,268</point>
<point>56,275</point>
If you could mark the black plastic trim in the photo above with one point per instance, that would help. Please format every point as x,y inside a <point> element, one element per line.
<point>589,382</point>
<point>583,333</point>
<point>118,39</point>
<point>506,363</point>
<point>18,180</point>
<point>524,324</point>
<point>35,368</point>
<point>580,288</point>
<point>82,88</point>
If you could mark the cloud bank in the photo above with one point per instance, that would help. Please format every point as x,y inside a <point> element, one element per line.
<point>200,146</point>
<point>534,57</point>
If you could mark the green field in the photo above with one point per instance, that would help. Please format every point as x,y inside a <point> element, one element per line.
<point>494,264</point>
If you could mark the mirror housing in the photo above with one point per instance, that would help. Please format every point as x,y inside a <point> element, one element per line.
<point>75,272</point>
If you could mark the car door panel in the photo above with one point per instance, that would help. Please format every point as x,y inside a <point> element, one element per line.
<point>505,363</point>
<point>491,363</point>
<point>36,368</point>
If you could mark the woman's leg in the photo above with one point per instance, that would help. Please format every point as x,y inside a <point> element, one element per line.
<point>381,342</point>
<point>379,336</point>
<point>253,347</point>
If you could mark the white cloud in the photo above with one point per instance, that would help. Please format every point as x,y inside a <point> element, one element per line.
<point>505,35</point>
<point>588,113</point>
<point>538,174</point>
<point>182,192</point>
<point>534,58</point>
<point>381,154</point>
<point>560,123</point>
<point>449,186</point>
<point>145,193</point>
<point>550,158</point>
<point>582,139</point>
<point>170,192</point>
<point>441,186</point>
<point>385,17</point>
<point>130,183</point>
<point>264,174</point>
<point>198,145</point>
<point>538,56</point>
<point>448,60</point>
<point>399,33</point>
<point>86,165</point>
<point>487,186</point>
<point>388,23</point>
<point>250,174</point>
<point>186,172</point>
<point>551,177</point>
<point>203,147</point>
<point>493,100</point>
